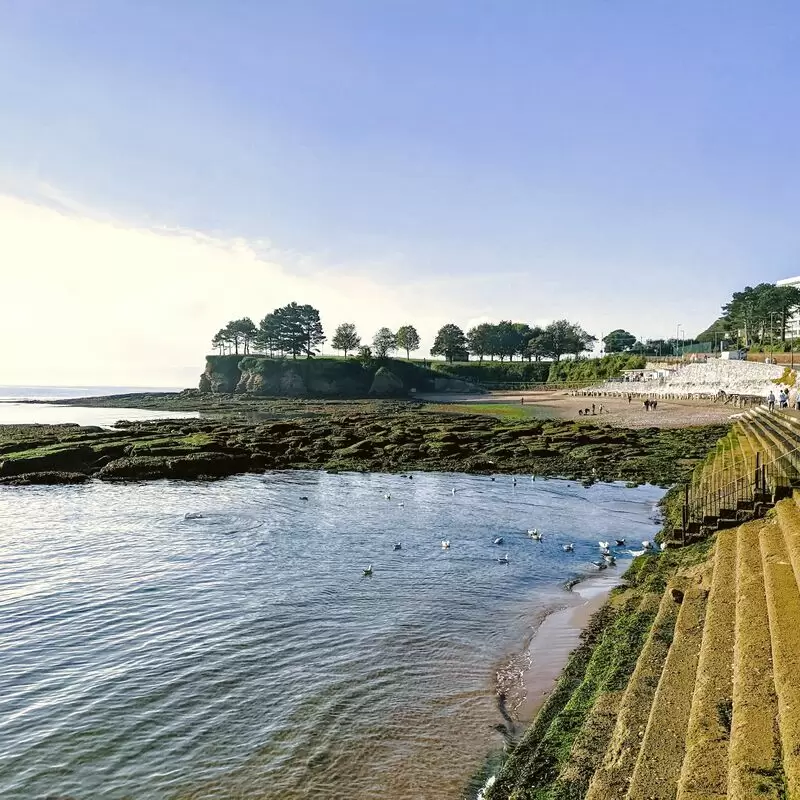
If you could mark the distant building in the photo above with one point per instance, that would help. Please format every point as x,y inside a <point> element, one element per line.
<point>793,323</point>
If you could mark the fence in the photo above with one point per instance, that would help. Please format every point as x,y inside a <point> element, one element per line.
<point>762,481</point>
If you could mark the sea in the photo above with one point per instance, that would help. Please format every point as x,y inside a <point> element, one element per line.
<point>17,406</point>
<point>176,641</point>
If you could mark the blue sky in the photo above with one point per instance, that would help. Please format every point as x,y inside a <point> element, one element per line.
<point>620,163</point>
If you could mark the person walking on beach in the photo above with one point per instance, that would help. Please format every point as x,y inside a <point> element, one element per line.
<point>592,409</point>
<point>646,405</point>
<point>771,400</point>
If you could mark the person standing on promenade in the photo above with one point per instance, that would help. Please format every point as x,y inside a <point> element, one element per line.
<point>771,400</point>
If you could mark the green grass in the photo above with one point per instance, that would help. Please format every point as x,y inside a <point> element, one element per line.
<point>500,410</point>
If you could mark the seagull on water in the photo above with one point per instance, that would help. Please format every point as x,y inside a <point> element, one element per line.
<point>398,546</point>
<point>368,571</point>
<point>535,535</point>
<point>603,545</point>
<point>445,544</point>
<point>647,545</point>
<point>498,540</point>
<point>620,542</point>
<point>567,548</point>
<point>503,559</point>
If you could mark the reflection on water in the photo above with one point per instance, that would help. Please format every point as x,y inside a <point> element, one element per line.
<point>36,413</point>
<point>241,652</point>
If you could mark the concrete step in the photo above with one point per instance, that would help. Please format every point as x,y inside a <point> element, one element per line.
<point>704,775</point>
<point>612,777</point>
<point>658,766</point>
<point>754,744</point>
<point>783,606</point>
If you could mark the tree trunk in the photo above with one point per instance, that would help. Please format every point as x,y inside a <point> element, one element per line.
<point>408,354</point>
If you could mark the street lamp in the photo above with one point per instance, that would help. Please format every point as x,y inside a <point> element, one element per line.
<point>678,337</point>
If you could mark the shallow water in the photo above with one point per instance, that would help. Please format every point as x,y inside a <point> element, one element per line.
<point>243,653</point>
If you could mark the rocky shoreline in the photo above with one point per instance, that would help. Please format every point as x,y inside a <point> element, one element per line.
<point>375,437</point>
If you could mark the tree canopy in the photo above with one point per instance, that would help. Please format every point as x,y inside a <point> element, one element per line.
<point>292,329</point>
<point>346,338</point>
<point>619,341</point>
<point>407,339</point>
<point>504,339</point>
<point>238,332</point>
<point>563,337</point>
<point>759,313</point>
<point>450,342</point>
<point>383,342</point>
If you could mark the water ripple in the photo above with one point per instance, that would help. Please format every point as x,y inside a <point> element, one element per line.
<point>240,652</point>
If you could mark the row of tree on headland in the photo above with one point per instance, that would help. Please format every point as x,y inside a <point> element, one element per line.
<point>296,330</point>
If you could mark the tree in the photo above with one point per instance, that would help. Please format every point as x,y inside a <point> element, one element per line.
<point>291,329</point>
<point>479,340</point>
<point>346,338</point>
<point>407,339</point>
<point>562,337</point>
<point>529,349</point>
<point>384,342</point>
<point>222,341</point>
<point>507,339</point>
<point>619,341</point>
<point>761,311</point>
<point>450,342</point>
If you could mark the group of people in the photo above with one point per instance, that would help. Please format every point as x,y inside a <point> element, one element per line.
<point>584,412</point>
<point>650,405</point>
<point>782,400</point>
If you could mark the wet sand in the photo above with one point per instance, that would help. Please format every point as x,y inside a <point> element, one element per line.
<point>616,410</point>
<point>556,637</point>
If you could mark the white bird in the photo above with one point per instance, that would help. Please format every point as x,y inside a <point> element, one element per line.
<point>604,551</point>
<point>603,545</point>
<point>620,542</point>
<point>401,505</point>
<point>535,535</point>
<point>515,481</point>
<point>445,544</point>
<point>647,545</point>
<point>388,496</point>
<point>600,564</point>
<point>567,548</point>
<point>498,540</point>
<point>503,559</point>
<point>368,571</point>
<point>663,546</point>
<point>398,546</point>
<point>610,560</point>
<point>453,491</point>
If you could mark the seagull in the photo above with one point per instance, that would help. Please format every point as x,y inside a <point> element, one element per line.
<point>535,535</point>
<point>647,545</point>
<point>304,498</point>
<point>503,559</point>
<point>445,544</point>
<point>401,505</point>
<point>604,551</point>
<point>492,477</point>
<point>515,481</point>
<point>388,496</point>
<point>368,571</point>
<point>398,546</point>
<point>453,491</point>
<point>620,542</point>
<point>603,545</point>
<point>193,515</point>
<point>600,564</point>
<point>498,540</point>
<point>610,560</point>
<point>567,548</point>
<point>663,546</point>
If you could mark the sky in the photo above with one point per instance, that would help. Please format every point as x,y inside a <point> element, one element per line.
<point>168,166</point>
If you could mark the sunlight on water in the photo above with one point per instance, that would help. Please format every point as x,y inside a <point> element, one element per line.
<point>242,653</point>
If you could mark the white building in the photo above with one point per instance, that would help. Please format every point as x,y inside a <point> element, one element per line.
<point>793,323</point>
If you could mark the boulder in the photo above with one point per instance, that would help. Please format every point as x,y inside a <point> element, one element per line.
<point>386,384</point>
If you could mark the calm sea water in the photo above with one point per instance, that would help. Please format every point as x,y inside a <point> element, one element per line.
<point>243,654</point>
<point>14,412</point>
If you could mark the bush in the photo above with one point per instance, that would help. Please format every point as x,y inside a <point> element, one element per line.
<point>496,371</point>
<point>594,369</point>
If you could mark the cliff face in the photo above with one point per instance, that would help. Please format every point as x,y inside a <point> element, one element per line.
<point>322,377</point>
